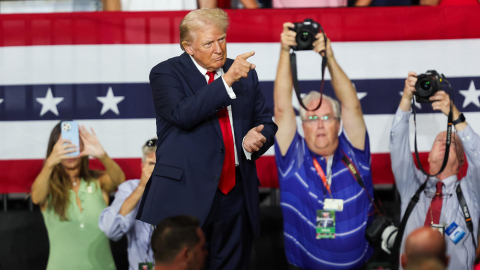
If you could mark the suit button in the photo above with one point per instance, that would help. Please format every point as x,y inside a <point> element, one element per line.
<point>222,150</point>
<point>216,177</point>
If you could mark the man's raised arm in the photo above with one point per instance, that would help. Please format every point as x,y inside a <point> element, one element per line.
<point>352,115</point>
<point>282,93</point>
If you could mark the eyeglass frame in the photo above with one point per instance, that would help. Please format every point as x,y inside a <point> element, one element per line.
<point>315,118</point>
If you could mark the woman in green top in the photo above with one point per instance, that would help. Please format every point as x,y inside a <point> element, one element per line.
<point>71,197</point>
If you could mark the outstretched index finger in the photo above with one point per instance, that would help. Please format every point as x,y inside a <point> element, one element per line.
<point>245,56</point>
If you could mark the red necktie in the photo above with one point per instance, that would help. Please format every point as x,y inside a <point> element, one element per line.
<point>227,178</point>
<point>435,207</point>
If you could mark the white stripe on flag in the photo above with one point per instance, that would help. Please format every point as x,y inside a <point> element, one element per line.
<point>132,63</point>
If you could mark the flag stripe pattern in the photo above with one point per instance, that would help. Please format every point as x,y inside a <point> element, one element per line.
<point>93,67</point>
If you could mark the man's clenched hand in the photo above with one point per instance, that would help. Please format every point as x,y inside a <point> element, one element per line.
<point>254,140</point>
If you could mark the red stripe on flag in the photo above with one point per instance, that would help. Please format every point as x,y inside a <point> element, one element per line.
<point>18,175</point>
<point>263,25</point>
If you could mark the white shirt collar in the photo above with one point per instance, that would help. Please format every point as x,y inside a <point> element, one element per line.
<point>204,71</point>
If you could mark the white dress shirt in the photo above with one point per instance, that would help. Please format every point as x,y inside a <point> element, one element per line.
<point>232,95</point>
<point>408,179</point>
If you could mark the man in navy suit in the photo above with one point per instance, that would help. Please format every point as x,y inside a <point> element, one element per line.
<point>212,124</point>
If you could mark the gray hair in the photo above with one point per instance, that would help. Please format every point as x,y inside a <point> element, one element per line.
<point>147,150</point>
<point>199,18</point>
<point>313,95</point>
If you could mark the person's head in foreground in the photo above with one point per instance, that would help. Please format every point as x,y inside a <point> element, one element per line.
<point>203,36</point>
<point>425,264</point>
<point>424,243</point>
<point>179,243</point>
<point>321,127</point>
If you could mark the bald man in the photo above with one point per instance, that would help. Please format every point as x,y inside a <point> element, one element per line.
<point>425,264</point>
<point>438,205</point>
<point>422,243</point>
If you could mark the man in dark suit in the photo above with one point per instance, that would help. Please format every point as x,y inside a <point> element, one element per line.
<point>212,124</point>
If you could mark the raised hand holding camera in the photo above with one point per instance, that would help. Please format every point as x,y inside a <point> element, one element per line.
<point>287,37</point>
<point>427,85</point>
<point>322,47</point>
<point>239,68</point>
<point>306,34</point>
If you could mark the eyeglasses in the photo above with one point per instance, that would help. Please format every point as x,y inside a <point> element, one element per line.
<point>314,119</point>
<point>431,194</point>
<point>151,143</point>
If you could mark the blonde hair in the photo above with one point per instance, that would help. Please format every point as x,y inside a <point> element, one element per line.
<point>313,95</point>
<point>197,19</point>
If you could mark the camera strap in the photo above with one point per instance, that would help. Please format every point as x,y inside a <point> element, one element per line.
<point>398,239</point>
<point>466,213</point>
<point>448,139</point>
<point>356,174</point>
<point>296,86</point>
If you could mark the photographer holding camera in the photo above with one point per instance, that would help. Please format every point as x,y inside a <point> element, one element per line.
<point>313,171</point>
<point>445,204</point>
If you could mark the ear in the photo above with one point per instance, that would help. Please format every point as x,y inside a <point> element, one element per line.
<point>403,260</point>
<point>182,255</point>
<point>187,47</point>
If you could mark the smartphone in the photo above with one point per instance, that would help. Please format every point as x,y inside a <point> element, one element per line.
<point>70,132</point>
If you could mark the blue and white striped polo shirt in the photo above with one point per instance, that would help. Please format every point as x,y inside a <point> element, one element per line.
<point>302,194</point>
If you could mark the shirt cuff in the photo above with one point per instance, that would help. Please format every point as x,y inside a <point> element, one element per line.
<point>229,90</point>
<point>248,155</point>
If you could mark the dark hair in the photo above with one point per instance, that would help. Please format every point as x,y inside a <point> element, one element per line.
<point>172,235</point>
<point>59,184</point>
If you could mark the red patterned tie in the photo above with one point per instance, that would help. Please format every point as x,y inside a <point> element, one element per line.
<point>227,178</point>
<point>435,207</point>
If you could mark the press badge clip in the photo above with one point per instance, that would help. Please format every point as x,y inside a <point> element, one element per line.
<point>455,233</point>
<point>333,205</point>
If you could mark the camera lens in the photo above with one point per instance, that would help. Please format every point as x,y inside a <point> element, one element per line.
<point>305,36</point>
<point>425,85</point>
<point>304,39</point>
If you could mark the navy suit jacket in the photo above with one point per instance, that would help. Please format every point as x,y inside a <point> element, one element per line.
<point>190,149</point>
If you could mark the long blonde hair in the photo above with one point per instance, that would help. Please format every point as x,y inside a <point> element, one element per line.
<point>59,183</point>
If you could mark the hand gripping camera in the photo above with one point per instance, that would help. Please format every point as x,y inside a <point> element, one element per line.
<point>427,85</point>
<point>306,33</point>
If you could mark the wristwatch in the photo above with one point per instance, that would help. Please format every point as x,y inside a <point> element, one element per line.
<point>461,119</point>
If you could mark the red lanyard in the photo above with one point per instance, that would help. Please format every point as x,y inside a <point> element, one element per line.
<point>322,175</point>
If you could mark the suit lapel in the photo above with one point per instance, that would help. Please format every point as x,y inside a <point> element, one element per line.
<point>193,74</point>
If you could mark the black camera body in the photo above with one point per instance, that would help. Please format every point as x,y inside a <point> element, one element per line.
<point>427,85</point>
<point>375,230</point>
<point>306,32</point>
<point>382,233</point>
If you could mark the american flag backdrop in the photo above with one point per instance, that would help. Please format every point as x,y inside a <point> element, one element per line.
<point>94,67</point>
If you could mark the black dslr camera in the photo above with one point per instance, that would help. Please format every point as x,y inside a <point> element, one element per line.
<point>306,32</point>
<point>427,85</point>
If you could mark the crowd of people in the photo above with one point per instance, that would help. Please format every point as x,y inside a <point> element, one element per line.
<point>196,206</point>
